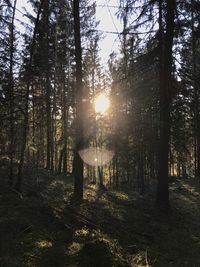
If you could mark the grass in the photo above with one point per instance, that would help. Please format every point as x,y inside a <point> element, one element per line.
<point>113,228</point>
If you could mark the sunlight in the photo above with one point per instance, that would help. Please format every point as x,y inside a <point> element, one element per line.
<point>96,156</point>
<point>44,244</point>
<point>102,103</point>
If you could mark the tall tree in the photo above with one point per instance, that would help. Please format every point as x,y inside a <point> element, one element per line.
<point>166,45</point>
<point>46,15</point>
<point>194,38</point>
<point>11,92</point>
<point>79,142</point>
<point>26,108</point>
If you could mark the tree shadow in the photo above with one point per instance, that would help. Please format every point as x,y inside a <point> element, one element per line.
<point>137,225</point>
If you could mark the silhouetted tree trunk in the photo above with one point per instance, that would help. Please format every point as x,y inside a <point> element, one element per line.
<point>64,122</point>
<point>60,161</point>
<point>53,116</point>
<point>166,45</point>
<point>54,126</point>
<point>141,171</point>
<point>78,163</point>
<point>33,129</point>
<point>47,83</point>
<point>11,94</point>
<point>25,126</point>
<point>196,96</point>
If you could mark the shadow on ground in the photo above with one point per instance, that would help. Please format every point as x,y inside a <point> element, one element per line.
<point>109,228</point>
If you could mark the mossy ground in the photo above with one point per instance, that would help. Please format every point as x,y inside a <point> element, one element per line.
<point>109,228</point>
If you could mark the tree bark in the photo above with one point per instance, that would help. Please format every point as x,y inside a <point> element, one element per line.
<point>78,163</point>
<point>64,122</point>
<point>47,86</point>
<point>165,101</point>
<point>196,97</point>
<point>11,95</point>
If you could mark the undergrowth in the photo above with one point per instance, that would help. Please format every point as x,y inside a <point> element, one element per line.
<point>116,228</point>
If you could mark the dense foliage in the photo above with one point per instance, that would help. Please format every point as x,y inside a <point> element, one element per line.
<point>153,121</point>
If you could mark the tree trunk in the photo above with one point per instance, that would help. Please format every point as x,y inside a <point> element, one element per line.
<point>165,99</point>
<point>64,121</point>
<point>33,129</point>
<point>25,126</point>
<point>54,124</point>
<point>47,85</point>
<point>196,97</point>
<point>60,161</point>
<point>78,163</point>
<point>141,172</point>
<point>11,96</point>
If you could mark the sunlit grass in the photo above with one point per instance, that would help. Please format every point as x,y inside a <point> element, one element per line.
<point>121,196</point>
<point>95,248</point>
<point>82,232</point>
<point>74,248</point>
<point>44,244</point>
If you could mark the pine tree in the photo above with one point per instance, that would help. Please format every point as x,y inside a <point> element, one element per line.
<point>78,162</point>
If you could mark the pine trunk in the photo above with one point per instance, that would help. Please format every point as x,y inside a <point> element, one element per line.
<point>11,96</point>
<point>165,99</point>
<point>47,85</point>
<point>196,98</point>
<point>26,118</point>
<point>78,163</point>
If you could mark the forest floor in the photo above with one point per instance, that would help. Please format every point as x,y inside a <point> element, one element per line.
<point>119,228</point>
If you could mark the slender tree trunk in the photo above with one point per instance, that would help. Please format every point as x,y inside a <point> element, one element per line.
<point>47,85</point>
<point>117,171</point>
<point>54,125</point>
<point>11,95</point>
<point>53,117</point>
<point>78,163</point>
<point>26,118</point>
<point>64,121</point>
<point>196,97</point>
<point>100,174</point>
<point>33,129</point>
<point>165,99</point>
<point>125,31</point>
<point>60,161</point>
<point>141,172</point>
<point>65,157</point>
<point>113,172</point>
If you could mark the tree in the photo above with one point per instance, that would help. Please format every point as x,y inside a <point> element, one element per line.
<point>26,108</point>
<point>166,44</point>
<point>79,142</point>
<point>11,92</point>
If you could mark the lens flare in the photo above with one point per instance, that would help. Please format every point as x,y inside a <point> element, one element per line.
<point>101,103</point>
<point>95,156</point>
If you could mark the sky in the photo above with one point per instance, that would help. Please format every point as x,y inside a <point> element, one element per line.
<point>105,14</point>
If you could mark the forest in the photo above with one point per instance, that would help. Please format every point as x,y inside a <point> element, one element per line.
<point>99,162</point>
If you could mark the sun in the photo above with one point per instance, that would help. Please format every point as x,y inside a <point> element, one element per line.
<point>102,103</point>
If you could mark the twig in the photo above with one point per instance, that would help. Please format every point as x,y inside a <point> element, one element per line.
<point>20,233</point>
<point>146,259</point>
<point>17,192</point>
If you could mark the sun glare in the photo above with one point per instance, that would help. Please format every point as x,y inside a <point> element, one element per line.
<point>96,156</point>
<point>102,103</point>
